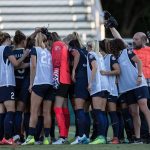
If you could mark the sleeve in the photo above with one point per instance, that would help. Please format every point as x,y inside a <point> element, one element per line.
<point>131,54</point>
<point>113,61</point>
<point>7,52</point>
<point>33,52</point>
<point>91,58</point>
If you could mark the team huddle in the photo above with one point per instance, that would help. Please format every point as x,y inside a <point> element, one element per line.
<point>39,74</point>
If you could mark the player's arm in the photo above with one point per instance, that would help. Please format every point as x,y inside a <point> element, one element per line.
<point>32,67</point>
<point>8,53</point>
<point>76,59</point>
<point>24,66</point>
<point>92,62</point>
<point>139,67</point>
<point>117,35</point>
<point>115,68</point>
<point>111,23</point>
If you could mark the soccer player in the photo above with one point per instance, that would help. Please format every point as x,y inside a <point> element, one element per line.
<point>41,71</point>
<point>112,71</point>
<point>7,85</point>
<point>22,80</point>
<point>61,83</point>
<point>81,93</point>
<point>132,82</point>
<point>98,87</point>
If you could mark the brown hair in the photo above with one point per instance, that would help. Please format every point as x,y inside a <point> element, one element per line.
<point>78,39</point>
<point>104,46</point>
<point>3,37</point>
<point>55,36</point>
<point>116,45</point>
<point>19,37</point>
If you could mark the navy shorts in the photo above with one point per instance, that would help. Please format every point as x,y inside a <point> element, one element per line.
<point>136,94</point>
<point>7,93</point>
<point>81,88</point>
<point>22,91</point>
<point>112,99</point>
<point>45,91</point>
<point>102,94</point>
<point>122,98</point>
<point>71,91</point>
<point>63,90</point>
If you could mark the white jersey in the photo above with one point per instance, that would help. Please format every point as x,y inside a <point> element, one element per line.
<point>100,82</point>
<point>7,77</point>
<point>104,79</point>
<point>111,79</point>
<point>44,69</point>
<point>129,74</point>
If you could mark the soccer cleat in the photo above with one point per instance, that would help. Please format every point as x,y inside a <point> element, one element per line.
<point>86,141</point>
<point>38,143</point>
<point>99,140</point>
<point>80,140</point>
<point>137,141</point>
<point>8,142</point>
<point>114,141</point>
<point>46,141</point>
<point>148,139</point>
<point>124,141</point>
<point>60,141</point>
<point>1,143</point>
<point>29,141</point>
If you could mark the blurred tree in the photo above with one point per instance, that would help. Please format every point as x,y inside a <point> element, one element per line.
<point>130,14</point>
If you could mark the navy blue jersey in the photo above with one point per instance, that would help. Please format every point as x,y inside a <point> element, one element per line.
<point>131,54</point>
<point>33,51</point>
<point>82,65</point>
<point>7,52</point>
<point>113,61</point>
<point>20,73</point>
<point>91,58</point>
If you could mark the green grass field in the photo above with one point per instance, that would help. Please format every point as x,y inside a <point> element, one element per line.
<point>79,147</point>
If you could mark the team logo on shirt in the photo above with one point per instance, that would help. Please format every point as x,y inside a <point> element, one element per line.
<point>113,58</point>
<point>129,52</point>
<point>91,56</point>
<point>57,48</point>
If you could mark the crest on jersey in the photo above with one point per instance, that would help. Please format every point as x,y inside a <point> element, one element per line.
<point>91,56</point>
<point>113,58</point>
<point>57,48</point>
<point>129,52</point>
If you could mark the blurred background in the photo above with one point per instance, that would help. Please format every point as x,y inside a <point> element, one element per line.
<point>132,15</point>
<point>66,16</point>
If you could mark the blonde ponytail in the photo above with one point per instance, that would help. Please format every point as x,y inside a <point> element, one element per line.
<point>39,40</point>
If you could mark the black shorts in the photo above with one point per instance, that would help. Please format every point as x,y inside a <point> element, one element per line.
<point>102,94</point>
<point>136,94</point>
<point>7,93</point>
<point>112,99</point>
<point>22,92</point>
<point>71,91</point>
<point>122,98</point>
<point>81,88</point>
<point>45,91</point>
<point>63,90</point>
